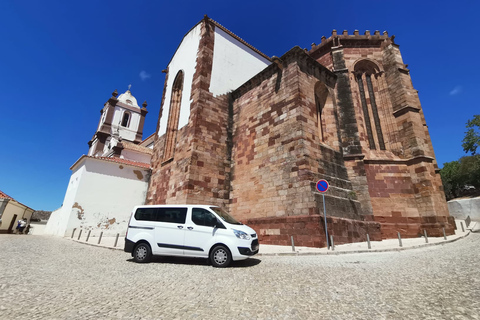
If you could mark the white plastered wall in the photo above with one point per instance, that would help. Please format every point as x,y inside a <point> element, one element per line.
<point>233,63</point>
<point>101,199</point>
<point>58,222</point>
<point>185,59</point>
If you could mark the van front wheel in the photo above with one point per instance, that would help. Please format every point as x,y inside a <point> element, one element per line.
<point>220,256</point>
<point>142,253</point>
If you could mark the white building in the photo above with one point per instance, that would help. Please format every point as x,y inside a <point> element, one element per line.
<point>108,182</point>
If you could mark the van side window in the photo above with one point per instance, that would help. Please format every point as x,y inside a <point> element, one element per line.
<point>145,214</point>
<point>172,215</point>
<point>202,217</point>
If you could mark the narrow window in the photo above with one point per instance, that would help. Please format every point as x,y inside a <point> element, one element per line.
<point>376,118</point>
<point>366,115</point>
<point>126,117</point>
<point>324,110</point>
<point>174,115</point>
<point>364,70</point>
<point>319,117</point>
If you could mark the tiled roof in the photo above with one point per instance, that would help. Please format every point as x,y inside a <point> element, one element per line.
<point>125,161</point>
<point>233,35</point>
<point>135,147</point>
<point>116,160</point>
<point>4,195</point>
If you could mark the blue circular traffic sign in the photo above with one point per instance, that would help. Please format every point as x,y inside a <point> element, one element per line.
<point>322,185</point>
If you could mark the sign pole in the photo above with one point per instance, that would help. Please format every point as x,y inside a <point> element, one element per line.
<point>325,216</point>
<point>322,187</point>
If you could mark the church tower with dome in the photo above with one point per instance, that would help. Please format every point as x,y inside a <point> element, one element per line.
<point>113,177</point>
<point>121,119</point>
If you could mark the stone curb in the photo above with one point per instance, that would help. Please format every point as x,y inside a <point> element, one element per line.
<point>362,251</point>
<point>95,244</point>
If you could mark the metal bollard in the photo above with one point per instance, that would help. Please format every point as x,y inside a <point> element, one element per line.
<point>73,232</point>
<point>88,235</point>
<point>79,234</point>
<point>293,244</point>
<point>368,241</point>
<point>331,243</point>
<point>426,237</point>
<point>116,240</point>
<point>444,235</point>
<point>399,239</point>
<point>463,228</point>
<point>100,238</point>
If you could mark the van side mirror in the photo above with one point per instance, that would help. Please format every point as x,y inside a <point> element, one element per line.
<point>218,224</point>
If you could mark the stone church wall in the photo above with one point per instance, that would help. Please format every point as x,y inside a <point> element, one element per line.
<point>258,151</point>
<point>277,157</point>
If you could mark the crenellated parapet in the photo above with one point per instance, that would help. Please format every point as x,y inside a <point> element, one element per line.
<point>344,39</point>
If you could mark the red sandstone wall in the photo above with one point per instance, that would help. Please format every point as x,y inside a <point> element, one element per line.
<point>309,231</point>
<point>268,173</point>
<point>277,155</point>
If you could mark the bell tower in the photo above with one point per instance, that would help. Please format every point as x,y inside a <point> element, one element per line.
<point>121,119</point>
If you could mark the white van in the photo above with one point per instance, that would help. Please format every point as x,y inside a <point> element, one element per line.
<point>200,231</point>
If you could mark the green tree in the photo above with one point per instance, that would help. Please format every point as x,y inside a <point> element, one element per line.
<point>458,176</point>
<point>472,136</point>
<point>450,179</point>
<point>469,171</point>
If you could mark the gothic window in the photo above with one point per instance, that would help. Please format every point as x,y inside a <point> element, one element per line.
<point>364,70</point>
<point>125,119</point>
<point>174,115</point>
<point>324,107</point>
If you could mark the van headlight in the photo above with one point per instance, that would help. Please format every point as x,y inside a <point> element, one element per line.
<point>241,234</point>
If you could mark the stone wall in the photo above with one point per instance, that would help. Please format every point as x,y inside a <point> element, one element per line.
<point>309,231</point>
<point>258,151</point>
<point>277,155</point>
<point>463,208</point>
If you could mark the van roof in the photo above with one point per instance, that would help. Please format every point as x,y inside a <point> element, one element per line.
<point>175,206</point>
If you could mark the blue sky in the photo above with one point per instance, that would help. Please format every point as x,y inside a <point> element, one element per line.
<point>60,61</point>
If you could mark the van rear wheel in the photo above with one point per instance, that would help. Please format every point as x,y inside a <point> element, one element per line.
<point>220,256</point>
<point>142,253</point>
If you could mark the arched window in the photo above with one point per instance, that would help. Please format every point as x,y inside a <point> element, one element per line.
<point>364,70</point>
<point>174,115</point>
<point>325,111</point>
<point>321,96</point>
<point>125,119</point>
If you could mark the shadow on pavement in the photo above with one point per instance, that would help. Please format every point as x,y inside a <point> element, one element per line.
<point>251,262</point>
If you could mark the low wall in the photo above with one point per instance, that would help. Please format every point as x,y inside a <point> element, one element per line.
<point>309,231</point>
<point>412,227</point>
<point>462,208</point>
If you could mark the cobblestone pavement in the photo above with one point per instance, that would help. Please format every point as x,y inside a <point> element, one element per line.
<point>45,277</point>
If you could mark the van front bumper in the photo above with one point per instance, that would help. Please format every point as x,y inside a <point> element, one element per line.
<point>253,250</point>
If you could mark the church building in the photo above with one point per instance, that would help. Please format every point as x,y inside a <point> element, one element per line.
<point>253,134</point>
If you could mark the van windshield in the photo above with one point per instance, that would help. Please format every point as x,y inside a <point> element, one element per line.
<point>225,216</point>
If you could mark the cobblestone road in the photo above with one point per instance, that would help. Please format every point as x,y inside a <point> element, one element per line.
<point>51,278</point>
